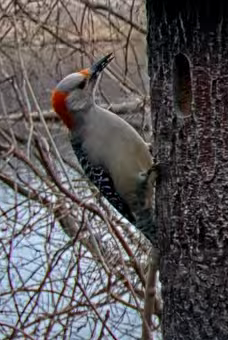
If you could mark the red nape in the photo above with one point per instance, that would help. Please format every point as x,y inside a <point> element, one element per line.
<point>58,100</point>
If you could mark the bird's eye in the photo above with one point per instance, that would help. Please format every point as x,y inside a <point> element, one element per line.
<point>82,84</point>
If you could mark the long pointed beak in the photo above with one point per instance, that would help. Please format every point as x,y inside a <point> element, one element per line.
<point>97,67</point>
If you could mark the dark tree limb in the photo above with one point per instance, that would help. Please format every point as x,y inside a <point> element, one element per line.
<point>188,65</point>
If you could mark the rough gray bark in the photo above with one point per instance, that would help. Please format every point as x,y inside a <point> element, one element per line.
<point>188,66</point>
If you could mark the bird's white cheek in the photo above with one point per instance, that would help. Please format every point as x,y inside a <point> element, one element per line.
<point>77,102</point>
<point>73,102</point>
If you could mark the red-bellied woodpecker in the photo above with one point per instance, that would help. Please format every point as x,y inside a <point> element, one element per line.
<point>112,154</point>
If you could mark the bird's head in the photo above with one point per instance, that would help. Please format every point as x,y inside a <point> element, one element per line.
<point>74,93</point>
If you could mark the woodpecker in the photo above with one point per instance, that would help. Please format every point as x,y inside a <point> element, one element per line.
<point>111,152</point>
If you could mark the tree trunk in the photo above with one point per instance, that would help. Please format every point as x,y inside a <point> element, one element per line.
<point>188,67</point>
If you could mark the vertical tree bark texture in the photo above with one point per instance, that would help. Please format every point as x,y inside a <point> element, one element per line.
<point>188,66</point>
